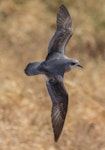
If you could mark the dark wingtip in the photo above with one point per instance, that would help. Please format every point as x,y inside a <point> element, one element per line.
<point>56,139</point>
<point>64,19</point>
<point>62,5</point>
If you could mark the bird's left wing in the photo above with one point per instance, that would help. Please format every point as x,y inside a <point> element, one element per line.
<point>59,98</point>
<point>63,33</point>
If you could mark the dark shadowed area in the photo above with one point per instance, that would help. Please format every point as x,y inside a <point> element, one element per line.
<point>26,28</point>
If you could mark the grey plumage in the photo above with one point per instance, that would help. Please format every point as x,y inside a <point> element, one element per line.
<point>54,67</point>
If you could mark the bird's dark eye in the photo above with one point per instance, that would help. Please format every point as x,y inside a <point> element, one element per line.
<point>72,63</point>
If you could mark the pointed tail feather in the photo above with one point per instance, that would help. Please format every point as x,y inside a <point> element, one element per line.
<point>33,69</point>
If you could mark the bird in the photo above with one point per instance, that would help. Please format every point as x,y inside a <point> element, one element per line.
<point>54,66</point>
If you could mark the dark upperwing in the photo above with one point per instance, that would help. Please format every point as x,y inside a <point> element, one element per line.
<point>63,33</point>
<point>59,98</point>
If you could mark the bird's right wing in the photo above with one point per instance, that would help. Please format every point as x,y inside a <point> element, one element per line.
<point>59,98</point>
<point>63,33</point>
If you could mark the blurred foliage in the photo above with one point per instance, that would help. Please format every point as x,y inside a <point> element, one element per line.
<point>53,5</point>
<point>21,1</point>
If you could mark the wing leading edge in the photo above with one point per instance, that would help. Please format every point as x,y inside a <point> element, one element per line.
<point>63,33</point>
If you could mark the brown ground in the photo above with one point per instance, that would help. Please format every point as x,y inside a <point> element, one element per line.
<point>25,106</point>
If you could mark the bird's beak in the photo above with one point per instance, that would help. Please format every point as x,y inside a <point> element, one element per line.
<point>80,66</point>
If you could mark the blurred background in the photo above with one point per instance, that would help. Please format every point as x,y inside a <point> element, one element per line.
<point>26,28</point>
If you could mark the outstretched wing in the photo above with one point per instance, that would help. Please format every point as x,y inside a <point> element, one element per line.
<point>63,33</point>
<point>59,98</point>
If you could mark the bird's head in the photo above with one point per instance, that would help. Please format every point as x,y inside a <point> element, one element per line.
<point>73,63</point>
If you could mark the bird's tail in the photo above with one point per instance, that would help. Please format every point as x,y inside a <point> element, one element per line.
<point>33,69</point>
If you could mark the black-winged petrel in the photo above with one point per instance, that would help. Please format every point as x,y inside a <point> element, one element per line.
<point>54,67</point>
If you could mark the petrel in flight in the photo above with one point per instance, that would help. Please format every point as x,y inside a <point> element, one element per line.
<point>54,66</point>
